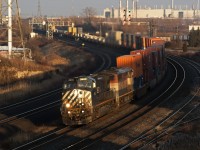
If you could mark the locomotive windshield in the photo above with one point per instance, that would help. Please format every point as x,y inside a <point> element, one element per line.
<point>86,83</point>
<point>70,84</point>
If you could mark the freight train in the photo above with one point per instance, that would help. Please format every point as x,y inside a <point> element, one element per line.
<point>86,98</point>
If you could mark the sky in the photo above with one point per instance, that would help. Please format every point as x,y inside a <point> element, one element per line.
<point>29,8</point>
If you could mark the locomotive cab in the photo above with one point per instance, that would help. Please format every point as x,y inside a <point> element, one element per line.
<point>76,107</point>
<point>80,103</point>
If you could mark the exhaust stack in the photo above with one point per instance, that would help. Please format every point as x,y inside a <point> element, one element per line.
<point>120,8</point>
<point>126,8</point>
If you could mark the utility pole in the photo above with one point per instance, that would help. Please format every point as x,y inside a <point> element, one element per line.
<point>126,9</point>
<point>133,3</point>
<point>39,12</point>
<point>1,15</point>
<point>172,9</point>
<point>136,5</point>
<point>120,8</point>
<point>9,27</point>
<point>152,28</point>
<point>198,11</point>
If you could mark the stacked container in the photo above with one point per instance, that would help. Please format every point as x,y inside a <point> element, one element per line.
<point>123,39</point>
<point>133,44</point>
<point>147,64</point>
<point>138,41</point>
<point>134,62</point>
<point>114,38</point>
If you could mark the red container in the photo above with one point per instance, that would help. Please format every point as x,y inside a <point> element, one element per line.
<point>138,41</point>
<point>132,61</point>
<point>147,63</point>
<point>144,44</point>
<point>154,55</point>
<point>148,43</point>
<point>161,55</point>
<point>146,58</point>
<point>133,42</point>
<point>157,41</point>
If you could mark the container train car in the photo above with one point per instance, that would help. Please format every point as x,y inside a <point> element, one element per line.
<point>86,98</point>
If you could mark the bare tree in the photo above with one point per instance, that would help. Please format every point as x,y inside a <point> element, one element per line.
<point>89,13</point>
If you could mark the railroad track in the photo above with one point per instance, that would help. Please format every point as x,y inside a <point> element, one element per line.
<point>135,119</point>
<point>100,132</point>
<point>89,141</point>
<point>22,109</point>
<point>47,102</point>
<point>170,123</point>
<point>29,100</point>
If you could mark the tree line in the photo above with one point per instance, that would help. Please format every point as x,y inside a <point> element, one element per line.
<point>194,38</point>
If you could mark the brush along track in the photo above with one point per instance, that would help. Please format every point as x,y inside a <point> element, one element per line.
<point>81,137</point>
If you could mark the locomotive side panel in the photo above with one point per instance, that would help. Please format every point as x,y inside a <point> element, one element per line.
<point>122,83</point>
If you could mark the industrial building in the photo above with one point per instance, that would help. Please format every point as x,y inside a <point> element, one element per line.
<point>136,11</point>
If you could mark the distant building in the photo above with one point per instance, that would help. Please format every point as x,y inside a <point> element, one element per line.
<point>194,27</point>
<point>148,12</point>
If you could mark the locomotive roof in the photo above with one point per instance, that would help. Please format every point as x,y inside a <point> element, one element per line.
<point>117,70</point>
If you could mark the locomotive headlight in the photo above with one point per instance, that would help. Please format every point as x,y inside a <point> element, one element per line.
<point>65,86</point>
<point>67,105</point>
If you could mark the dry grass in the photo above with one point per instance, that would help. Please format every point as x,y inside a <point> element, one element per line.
<point>19,79</point>
<point>52,63</point>
<point>14,93</point>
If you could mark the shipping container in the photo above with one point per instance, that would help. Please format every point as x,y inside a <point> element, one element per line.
<point>128,40</point>
<point>133,61</point>
<point>138,41</point>
<point>114,38</point>
<point>133,44</point>
<point>156,40</point>
<point>123,39</point>
<point>159,47</point>
<point>147,63</point>
<point>144,43</point>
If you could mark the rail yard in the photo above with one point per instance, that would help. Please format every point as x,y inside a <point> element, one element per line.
<point>123,85</point>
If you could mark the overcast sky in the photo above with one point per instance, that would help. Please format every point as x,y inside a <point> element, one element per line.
<point>75,7</point>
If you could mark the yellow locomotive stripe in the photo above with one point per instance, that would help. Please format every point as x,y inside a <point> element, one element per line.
<point>66,94</point>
